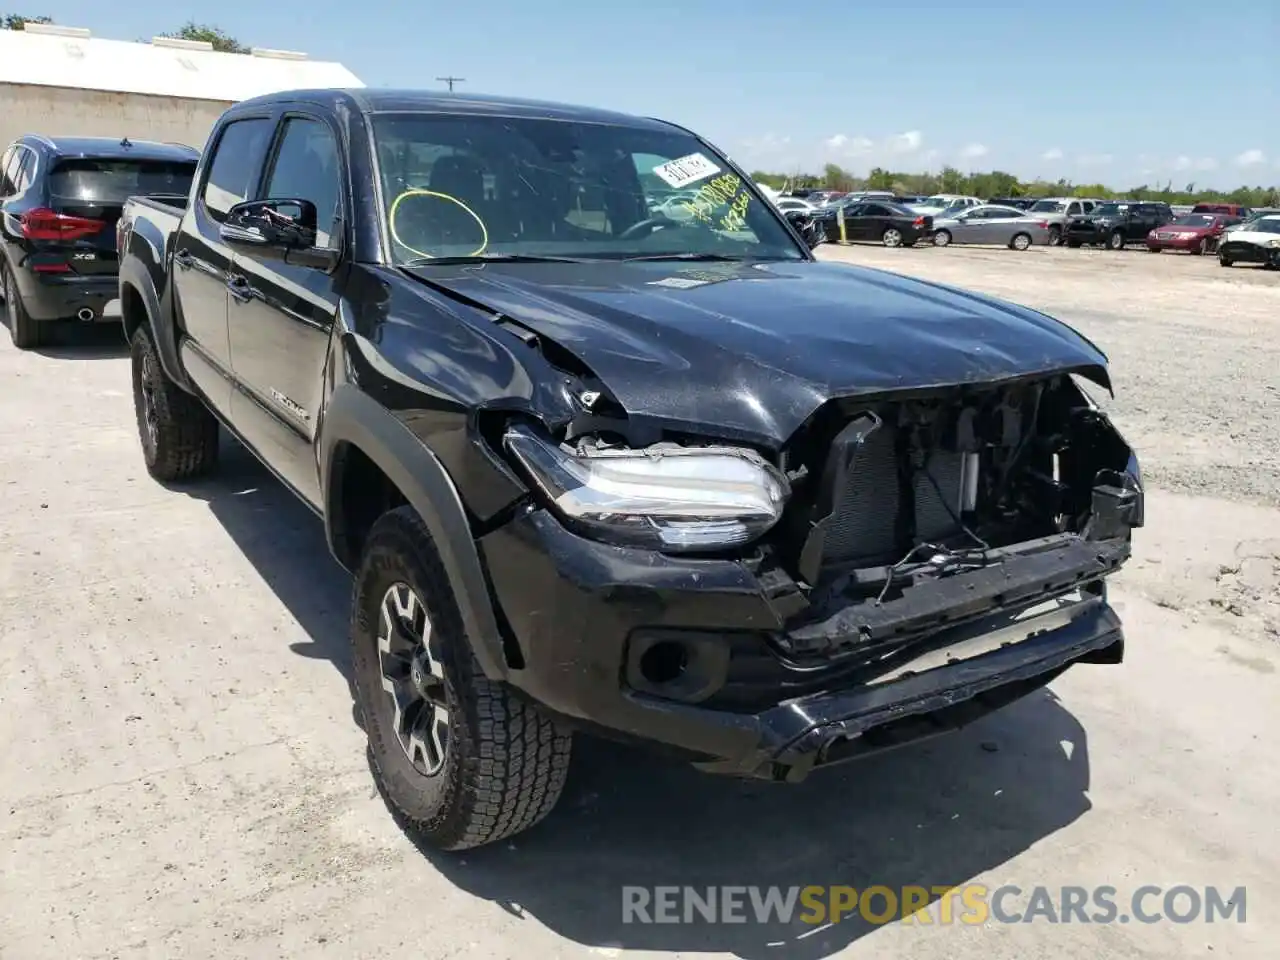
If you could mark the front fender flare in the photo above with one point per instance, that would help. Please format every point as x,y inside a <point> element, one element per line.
<point>352,417</point>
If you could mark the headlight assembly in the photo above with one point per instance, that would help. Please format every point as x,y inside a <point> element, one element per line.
<point>670,498</point>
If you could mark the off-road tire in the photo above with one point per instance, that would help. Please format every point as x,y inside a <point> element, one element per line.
<point>184,444</point>
<point>505,762</point>
<point>1025,239</point>
<point>24,331</point>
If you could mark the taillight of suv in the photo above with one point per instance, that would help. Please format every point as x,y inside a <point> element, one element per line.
<point>45,224</point>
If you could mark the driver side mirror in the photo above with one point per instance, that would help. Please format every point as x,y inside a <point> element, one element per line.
<point>811,231</point>
<point>277,230</point>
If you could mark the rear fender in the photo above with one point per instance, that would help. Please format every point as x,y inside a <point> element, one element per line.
<point>135,279</point>
<point>352,417</point>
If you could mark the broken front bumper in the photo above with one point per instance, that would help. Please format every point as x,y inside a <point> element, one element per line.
<point>729,667</point>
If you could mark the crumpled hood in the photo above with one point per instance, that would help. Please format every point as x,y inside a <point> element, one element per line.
<point>752,350</point>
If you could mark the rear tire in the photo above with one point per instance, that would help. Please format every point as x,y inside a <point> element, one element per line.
<point>23,330</point>
<point>179,435</point>
<point>1020,241</point>
<point>460,760</point>
<point>892,237</point>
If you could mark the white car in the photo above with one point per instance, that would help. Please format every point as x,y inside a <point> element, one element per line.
<point>788,204</point>
<point>945,201</point>
<point>1259,242</point>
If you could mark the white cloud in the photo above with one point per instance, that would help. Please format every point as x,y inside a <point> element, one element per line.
<point>1250,158</point>
<point>908,142</point>
<point>1094,159</point>
<point>973,151</point>
<point>1053,153</point>
<point>769,151</point>
<point>868,152</point>
<point>1198,163</point>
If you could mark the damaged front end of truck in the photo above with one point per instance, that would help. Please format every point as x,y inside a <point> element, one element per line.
<point>905,563</point>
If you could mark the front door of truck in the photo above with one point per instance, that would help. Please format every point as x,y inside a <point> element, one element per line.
<point>201,261</point>
<point>280,316</point>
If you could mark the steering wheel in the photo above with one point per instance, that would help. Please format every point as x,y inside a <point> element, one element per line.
<point>646,227</point>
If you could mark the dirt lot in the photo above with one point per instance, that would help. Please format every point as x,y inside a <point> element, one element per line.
<point>180,774</point>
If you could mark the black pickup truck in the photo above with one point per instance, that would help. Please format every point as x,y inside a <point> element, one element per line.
<point>661,476</point>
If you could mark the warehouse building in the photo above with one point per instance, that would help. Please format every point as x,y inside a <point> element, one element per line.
<point>62,81</point>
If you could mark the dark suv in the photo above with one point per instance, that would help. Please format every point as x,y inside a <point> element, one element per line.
<point>60,200</point>
<point>1116,222</point>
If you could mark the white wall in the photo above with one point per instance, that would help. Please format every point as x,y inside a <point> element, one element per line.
<point>60,111</point>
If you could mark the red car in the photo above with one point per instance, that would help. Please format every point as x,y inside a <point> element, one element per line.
<point>1193,232</point>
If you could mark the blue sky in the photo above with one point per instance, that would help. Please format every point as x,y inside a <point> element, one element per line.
<point>1122,91</point>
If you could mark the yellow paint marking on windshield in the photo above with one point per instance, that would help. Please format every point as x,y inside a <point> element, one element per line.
<point>395,206</point>
<point>724,190</point>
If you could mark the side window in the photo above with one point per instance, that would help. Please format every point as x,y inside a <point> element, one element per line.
<point>306,168</point>
<point>875,210</point>
<point>237,158</point>
<point>8,171</point>
<point>1088,206</point>
<point>1075,208</point>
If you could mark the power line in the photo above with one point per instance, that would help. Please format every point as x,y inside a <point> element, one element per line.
<point>451,81</point>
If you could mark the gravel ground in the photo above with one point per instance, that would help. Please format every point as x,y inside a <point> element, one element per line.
<point>181,776</point>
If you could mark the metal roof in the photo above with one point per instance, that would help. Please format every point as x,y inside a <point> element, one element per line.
<point>43,55</point>
<point>113,148</point>
<point>382,100</point>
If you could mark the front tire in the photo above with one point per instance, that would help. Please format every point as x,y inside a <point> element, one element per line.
<point>1055,236</point>
<point>942,238</point>
<point>179,435</point>
<point>460,759</point>
<point>1224,260</point>
<point>23,330</point>
<point>1197,249</point>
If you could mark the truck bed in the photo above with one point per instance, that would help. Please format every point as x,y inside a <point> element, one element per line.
<point>168,202</point>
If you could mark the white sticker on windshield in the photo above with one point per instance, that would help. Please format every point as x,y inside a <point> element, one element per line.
<point>686,170</point>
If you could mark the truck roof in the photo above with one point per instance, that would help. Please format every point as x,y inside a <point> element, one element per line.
<point>115,148</point>
<point>381,100</point>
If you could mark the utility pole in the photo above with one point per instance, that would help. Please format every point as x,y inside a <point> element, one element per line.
<point>451,81</point>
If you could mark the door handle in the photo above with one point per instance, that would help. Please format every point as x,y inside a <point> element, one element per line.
<point>184,259</point>
<point>239,288</point>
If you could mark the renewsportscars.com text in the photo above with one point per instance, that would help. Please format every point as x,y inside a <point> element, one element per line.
<point>968,904</point>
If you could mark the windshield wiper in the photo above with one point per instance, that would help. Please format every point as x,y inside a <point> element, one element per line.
<point>484,258</point>
<point>718,257</point>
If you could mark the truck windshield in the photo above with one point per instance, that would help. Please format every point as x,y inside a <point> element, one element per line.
<point>111,181</point>
<point>480,186</point>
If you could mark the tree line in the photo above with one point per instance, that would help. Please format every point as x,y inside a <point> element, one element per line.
<point>998,183</point>
<point>221,41</point>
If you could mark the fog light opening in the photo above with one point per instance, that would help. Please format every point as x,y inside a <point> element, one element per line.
<point>664,662</point>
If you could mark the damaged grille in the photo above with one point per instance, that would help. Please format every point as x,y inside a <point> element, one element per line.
<point>865,525</point>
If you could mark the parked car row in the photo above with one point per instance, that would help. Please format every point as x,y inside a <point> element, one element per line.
<point>1073,221</point>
